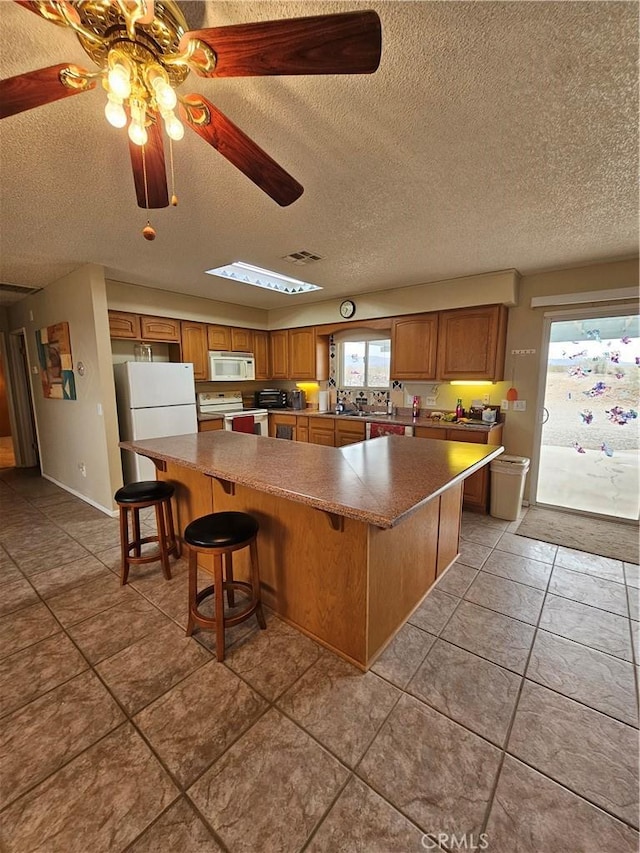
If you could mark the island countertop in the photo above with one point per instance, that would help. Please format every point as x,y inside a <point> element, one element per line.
<point>379,482</point>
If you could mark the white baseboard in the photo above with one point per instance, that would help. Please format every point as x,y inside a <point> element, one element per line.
<point>112,513</point>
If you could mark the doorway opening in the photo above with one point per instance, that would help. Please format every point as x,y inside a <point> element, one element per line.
<point>589,439</point>
<point>21,412</point>
<point>7,455</point>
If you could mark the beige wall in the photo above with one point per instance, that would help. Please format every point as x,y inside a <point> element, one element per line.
<point>486,289</point>
<point>82,430</point>
<point>162,303</point>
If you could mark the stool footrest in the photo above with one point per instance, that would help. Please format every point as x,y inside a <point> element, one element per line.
<point>209,621</point>
<point>156,555</point>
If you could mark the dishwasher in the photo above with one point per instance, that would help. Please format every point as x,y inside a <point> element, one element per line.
<point>375,429</point>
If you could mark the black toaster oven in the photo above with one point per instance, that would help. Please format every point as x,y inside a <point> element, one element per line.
<point>271,398</point>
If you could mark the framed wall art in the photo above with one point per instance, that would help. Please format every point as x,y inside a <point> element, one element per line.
<point>56,363</point>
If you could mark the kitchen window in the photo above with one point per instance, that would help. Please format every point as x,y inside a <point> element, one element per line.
<point>364,361</point>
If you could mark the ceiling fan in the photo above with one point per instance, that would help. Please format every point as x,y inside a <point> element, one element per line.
<point>144,50</point>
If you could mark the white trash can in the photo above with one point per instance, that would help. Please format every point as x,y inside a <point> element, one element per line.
<point>508,474</point>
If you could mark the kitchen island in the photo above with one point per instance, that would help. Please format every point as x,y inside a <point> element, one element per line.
<point>351,539</point>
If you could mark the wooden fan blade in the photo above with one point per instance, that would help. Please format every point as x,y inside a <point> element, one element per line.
<point>239,149</point>
<point>348,43</point>
<point>52,12</point>
<point>29,4</point>
<point>36,88</point>
<point>149,160</point>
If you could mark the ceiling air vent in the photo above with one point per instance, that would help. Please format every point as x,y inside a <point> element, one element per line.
<point>302,257</point>
<point>12,293</point>
<point>17,288</point>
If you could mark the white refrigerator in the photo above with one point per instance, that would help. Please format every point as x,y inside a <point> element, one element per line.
<point>154,399</point>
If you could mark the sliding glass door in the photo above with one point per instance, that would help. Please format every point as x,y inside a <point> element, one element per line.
<point>588,455</point>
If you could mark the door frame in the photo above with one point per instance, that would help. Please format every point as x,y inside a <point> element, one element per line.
<point>549,317</point>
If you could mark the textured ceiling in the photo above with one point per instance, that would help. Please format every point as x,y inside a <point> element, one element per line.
<point>494,135</point>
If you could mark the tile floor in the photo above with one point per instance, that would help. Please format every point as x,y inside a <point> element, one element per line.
<point>506,706</point>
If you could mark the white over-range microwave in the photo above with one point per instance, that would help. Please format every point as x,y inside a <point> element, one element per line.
<point>231,366</point>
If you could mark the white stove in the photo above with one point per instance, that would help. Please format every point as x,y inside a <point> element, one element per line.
<point>229,405</point>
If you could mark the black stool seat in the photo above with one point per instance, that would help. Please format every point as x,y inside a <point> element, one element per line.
<point>221,530</point>
<point>147,490</point>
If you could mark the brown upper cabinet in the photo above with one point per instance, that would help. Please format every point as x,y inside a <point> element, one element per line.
<point>160,329</point>
<point>124,326</point>
<point>261,353</point>
<point>241,340</point>
<point>414,345</point>
<point>194,347</point>
<point>471,343</point>
<point>279,354</point>
<point>219,338</point>
<point>308,354</point>
<point>229,339</point>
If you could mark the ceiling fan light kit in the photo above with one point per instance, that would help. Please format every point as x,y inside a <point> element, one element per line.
<point>144,51</point>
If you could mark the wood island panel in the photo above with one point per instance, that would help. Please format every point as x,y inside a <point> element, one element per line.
<point>402,568</point>
<point>312,575</point>
<point>193,498</point>
<point>449,527</point>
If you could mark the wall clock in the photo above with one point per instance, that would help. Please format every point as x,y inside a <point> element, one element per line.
<point>347,309</point>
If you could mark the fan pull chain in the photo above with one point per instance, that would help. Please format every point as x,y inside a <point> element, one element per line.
<point>174,197</point>
<point>148,231</point>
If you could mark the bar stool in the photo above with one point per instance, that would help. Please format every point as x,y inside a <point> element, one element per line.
<point>220,534</point>
<point>137,496</point>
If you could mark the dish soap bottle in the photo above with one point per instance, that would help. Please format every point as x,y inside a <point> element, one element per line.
<point>459,409</point>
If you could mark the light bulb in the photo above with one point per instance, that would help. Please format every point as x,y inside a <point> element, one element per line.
<point>114,111</point>
<point>174,127</point>
<point>119,81</point>
<point>165,96</point>
<point>137,133</point>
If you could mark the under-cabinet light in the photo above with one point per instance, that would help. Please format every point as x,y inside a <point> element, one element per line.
<point>471,382</point>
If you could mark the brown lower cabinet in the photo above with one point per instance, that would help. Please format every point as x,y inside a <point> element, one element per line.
<point>302,428</point>
<point>282,425</point>
<point>476,487</point>
<point>207,426</point>
<point>321,431</point>
<point>348,432</point>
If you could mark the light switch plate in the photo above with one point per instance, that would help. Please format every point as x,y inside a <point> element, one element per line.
<point>504,405</point>
<point>519,405</point>
<point>429,401</point>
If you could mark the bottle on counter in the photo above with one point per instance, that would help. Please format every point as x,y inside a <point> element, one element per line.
<point>459,409</point>
<point>416,407</point>
<point>389,405</point>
